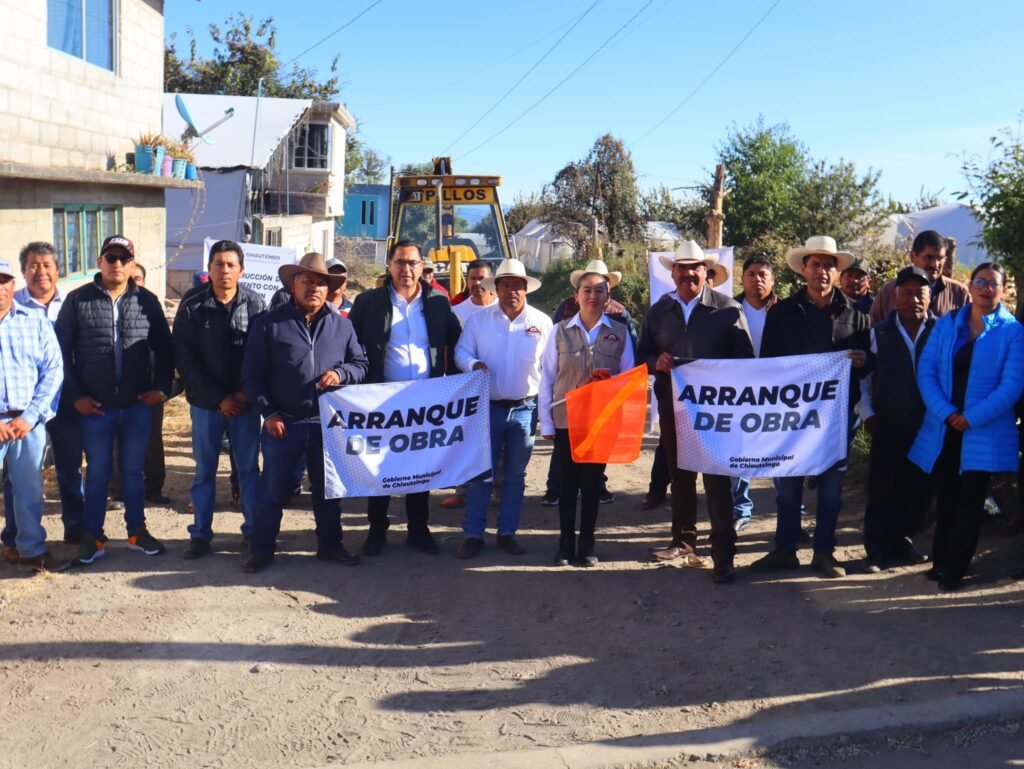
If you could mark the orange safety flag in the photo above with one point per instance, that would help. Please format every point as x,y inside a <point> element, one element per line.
<point>606,418</point>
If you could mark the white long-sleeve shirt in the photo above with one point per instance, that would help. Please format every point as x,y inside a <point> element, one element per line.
<point>511,349</point>
<point>549,369</point>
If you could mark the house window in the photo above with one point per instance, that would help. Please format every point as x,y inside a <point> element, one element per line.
<point>273,236</point>
<point>85,29</point>
<point>311,147</point>
<point>78,233</point>
<point>369,212</point>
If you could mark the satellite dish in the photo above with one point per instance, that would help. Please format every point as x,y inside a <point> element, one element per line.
<point>192,132</point>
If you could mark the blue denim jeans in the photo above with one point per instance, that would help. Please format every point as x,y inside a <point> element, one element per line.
<point>830,503</point>
<point>23,464</point>
<point>742,504</point>
<point>66,443</point>
<point>512,436</point>
<point>244,435</point>
<point>276,483</point>
<point>129,429</point>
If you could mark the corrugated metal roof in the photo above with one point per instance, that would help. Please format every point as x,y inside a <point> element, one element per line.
<point>235,143</point>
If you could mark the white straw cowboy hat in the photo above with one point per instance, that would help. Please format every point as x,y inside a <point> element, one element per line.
<point>311,262</point>
<point>719,273</point>
<point>688,252</point>
<point>595,267</point>
<point>821,245</point>
<point>510,268</point>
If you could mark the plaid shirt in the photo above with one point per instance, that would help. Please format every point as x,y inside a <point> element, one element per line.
<point>31,366</point>
<point>30,303</point>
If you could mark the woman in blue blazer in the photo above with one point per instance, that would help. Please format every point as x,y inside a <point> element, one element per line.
<point>970,375</point>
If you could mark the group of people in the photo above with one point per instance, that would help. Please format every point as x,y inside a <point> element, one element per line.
<point>935,381</point>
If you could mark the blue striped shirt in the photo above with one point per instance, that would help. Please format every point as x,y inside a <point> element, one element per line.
<point>30,303</point>
<point>31,366</point>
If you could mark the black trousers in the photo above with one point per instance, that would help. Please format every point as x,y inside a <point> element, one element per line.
<point>660,474</point>
<point>684,496</point>
<point>960,509</point>
<point>578,480</point>
<point>416,513</point>
<point>899,493</point>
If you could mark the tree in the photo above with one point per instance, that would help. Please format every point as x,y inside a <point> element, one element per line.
<point>363,165</point>
<point>659,205</point>
<point>244,53</point>
<point>524,209</point>
<point>602,185</point>
<point>780,195</point>
<point>995,187</point>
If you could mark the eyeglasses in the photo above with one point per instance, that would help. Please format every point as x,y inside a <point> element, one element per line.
<point>123,258</point>
<point>980,283</point>
<point>407,263</point>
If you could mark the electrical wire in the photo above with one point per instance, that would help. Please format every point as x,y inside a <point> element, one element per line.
<point>704,82</point>
<point>559,84</point>
<point>525,75</point>
<point>348,23</point>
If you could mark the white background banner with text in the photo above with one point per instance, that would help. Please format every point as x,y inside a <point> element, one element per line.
<point>261,266</point>
<point>793,421</point>
<point>405,437</point>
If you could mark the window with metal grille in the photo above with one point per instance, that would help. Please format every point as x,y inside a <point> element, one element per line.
<point>78,233</point>
<point>272,235</point>
<point>85,29</point>
<point>311,146</point>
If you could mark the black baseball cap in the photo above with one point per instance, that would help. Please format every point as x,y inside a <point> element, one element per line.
<point>118,241</point>
<point>912,273</point>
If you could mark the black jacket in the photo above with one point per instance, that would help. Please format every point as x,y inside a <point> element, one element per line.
<point>717,329</point>
<point>284,359</point>
<point>371,316</point>
<point>209,343</point>
<point>795,326</point>
<point>85,330</point>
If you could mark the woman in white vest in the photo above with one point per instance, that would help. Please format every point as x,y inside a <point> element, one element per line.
<point>586,348</point>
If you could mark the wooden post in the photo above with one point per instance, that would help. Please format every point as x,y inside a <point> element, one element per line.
<point>716,219</point>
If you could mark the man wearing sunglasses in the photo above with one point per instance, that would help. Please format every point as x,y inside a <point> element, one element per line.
<point>117,363</point>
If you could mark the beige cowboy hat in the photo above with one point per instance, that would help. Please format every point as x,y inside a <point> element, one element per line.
<point>719,273</point>
<point>510,268</point>
<point>595,267</point>
<point>818,244</point>
<point>688,252</point>
<point>311,262</point>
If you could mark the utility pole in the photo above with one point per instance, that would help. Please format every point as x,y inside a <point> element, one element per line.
<point>716,219</point>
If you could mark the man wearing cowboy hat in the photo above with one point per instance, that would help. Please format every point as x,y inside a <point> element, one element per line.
<point>409,332</point>
<point>506,340</point>
<point>295,352</point>
<point>816,319</point>
<point>693,322</point>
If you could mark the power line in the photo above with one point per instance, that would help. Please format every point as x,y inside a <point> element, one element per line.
<point>524,76</point>
<point>470,76</point>
<point>704,82</point>
<point>348,23</point>
<point>559,84</point>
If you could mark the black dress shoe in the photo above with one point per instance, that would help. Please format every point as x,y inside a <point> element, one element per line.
<point>585,554</point>
<point>158,498</point>
<point>196,548</point>
<point>804,537</point>
<point>424,542</point>
<point>375,542</point>
<point>652,501</point>
<point>470,547</point>
<point>933,574</point>
<point>723,573</point>
<point>911,556</point>
<point>509,544</point>
<point>257,563</point>
<point>605,497</point>
<point>339,556</point>
<point>949,584</point>
<point>1018,573</point>
<point>873,565</point>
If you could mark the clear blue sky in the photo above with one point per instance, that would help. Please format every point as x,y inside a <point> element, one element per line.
<point>902,87</point>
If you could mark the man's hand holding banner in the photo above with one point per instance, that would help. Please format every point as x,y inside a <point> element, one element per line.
<point>762,417</point>
<point>406,437</point>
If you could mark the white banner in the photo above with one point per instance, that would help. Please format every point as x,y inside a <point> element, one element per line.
<point>661,278</point>
<point>405,437</point>
<point>792,422</point>
<point>261,266</point>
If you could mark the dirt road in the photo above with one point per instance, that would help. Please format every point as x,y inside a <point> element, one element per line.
<point>162,662</point>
